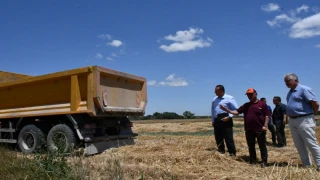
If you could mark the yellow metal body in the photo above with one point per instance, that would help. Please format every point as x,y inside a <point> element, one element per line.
<point>94,90</point>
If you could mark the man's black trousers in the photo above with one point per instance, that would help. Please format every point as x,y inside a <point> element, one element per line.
<point>251,140</point>
<point>223,133</point>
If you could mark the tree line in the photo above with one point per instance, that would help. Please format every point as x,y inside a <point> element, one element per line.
<point>173,115</point>
<point>169,115</point>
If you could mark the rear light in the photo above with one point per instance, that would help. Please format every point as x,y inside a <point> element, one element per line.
<point>89,126</point>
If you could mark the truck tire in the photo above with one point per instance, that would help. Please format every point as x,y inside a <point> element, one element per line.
<point>60,139</point>
<point>31,139</point>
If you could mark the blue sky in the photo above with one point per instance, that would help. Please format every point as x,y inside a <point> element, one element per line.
<point>184,48</point>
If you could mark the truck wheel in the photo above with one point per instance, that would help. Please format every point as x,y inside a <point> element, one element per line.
<point>60,139</point>
<point>31,139</point>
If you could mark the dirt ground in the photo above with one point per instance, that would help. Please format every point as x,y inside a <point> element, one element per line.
<point>187,150</point>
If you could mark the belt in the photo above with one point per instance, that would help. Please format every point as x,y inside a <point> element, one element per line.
<point>302,115</point>
<point>222,115</point>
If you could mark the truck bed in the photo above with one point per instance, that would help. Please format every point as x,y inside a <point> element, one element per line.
<point>94,90</point>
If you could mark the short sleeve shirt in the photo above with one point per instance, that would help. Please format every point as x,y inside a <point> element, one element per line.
<point>279,111</point>
<point>298,100</point>
<point>254,115</point>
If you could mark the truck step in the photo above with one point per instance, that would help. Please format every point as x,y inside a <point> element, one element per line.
<point>8,140</point>
<point>107,138</point>
<point>7,130</point>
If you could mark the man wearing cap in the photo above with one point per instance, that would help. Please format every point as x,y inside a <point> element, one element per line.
<point>256,119</point>
<point>302,108</point>
<point>222,121</point>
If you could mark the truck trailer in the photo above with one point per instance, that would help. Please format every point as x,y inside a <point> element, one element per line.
<point>86,107</point>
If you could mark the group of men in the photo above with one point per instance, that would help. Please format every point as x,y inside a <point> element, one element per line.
<point>300,113</point>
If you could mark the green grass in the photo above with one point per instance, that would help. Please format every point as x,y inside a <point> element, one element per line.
<point>15,165</point>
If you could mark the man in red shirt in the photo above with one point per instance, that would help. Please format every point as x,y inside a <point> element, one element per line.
<point>256,119</point>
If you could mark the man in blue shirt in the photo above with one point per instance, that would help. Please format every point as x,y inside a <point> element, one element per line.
<point>302,108</point>
<point>270,124</point>
<point>222,121</point>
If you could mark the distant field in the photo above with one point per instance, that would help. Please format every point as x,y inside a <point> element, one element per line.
<point>177,120</point>
<point>187,120</point>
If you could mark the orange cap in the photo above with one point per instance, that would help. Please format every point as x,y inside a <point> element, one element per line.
<point>250,91</point>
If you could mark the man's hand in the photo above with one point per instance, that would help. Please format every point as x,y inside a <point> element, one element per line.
<point>316,118</point>
<point>223,108</point>
<point>264,128</point>
<point>284,121</point>
<point>226,119</point>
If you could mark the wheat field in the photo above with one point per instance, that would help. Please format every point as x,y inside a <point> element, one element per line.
<point>185,149</point>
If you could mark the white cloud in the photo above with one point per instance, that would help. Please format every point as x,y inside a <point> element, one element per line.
<point>270,7</point>
<point>105,36</point>
<point>317,46</point>
<point>186,40</point>
<point>186,35</point>
<point>306,28</point>
<point>169,81</point>
<point>99,56</point>
<point>109,59</point>
<point>304,8</point>
<point>115,43</point>
<point>151,83</point>
<point>282,18</point>
<point>113,54</point>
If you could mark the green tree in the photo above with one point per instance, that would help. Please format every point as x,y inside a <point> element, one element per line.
<point>188,115</point>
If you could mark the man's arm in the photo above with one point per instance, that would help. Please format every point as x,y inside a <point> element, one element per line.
<point>265,127</point>
<point>267,113</point>
<point>284,112</point>
<point>311,97</point>
<point>266,121</point>
<point>234,112</point>
<point>315,106</point>
<point>212,113</point>
<point>284,119</point>
<point>232,105</point>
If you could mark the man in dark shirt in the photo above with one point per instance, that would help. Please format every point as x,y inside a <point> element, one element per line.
<point>256,119</point>
<point>280,120</point>
<point>270,124</point>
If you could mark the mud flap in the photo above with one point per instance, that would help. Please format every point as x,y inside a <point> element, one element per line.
<point>98,147</point>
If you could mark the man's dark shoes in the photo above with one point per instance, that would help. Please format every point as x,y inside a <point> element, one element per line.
<point>221,151</point>
<point>263,164</point>
<point>281,145</point>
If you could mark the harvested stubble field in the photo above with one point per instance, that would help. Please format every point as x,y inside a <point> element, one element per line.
<point>185,149</point>
<point>165,149</point>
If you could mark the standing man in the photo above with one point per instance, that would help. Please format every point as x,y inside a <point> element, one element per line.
<point>302,107</point>
<point>280,120</point>
<point>222,121</point>
<point>256,119</point>
<point>270,124</point>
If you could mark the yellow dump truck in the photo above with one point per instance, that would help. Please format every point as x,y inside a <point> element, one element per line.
<point>86,107</point>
